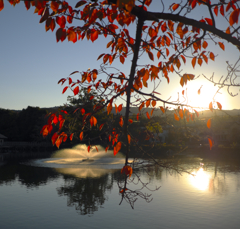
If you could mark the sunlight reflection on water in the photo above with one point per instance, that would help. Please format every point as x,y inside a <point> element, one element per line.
<point>200,180</point>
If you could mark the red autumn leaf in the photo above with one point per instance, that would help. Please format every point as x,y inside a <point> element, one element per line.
<point>117,148</point>
<point>209,21</point>
<point>55,120</point>
<point>137,116</point>
<point>130,120</point>
<point>54,6</point>
<point>205,45</point>
<point>109,108</point>
<point>27,4</point>
<point>222,10</point>
<point>221,45</point>
<point>54,138</point>
<point>61,124</point>
<point>89,147</point>
<point>101,126</point>
<point>83,111</point>
<point>119,108</point>
<point>210,143</point>
<point>71,137</point>
<point>194,61</point>
<point>209,122</point>
<point>175,6</point>
<point>94,36</point>
<point>63,111</point>
<point>127,170</point>
<point>76,90</point>
<point>216,10</point>
<point>93,121</point>
<point>147,115</point>
<point>106,149</point>
<point>176,117</point>
<point>162,109</point>
<point>121,121</point>
<point>80,3</point>
<point>129,138</point>
<point>122,59</point>
<point>64,89</point>
<point>123,190</point>
<point>58,142</point>
<point>74,73</point>
<point>234,17</point>
<point>81,136</point>
<point>219,105</point>
<point>181,113</point>
<point>210,106</point>
<point>212,57</point>
<point>150,55</point>
<point>91,97</point>
<point>116,110</point>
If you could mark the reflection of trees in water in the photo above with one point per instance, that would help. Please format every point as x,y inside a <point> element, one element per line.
<point>88,194</point>
<point>29,176</point>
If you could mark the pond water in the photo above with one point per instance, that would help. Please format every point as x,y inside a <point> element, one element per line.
<point>47,194</point>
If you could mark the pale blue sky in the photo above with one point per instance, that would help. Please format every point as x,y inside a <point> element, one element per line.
<point>32,62</point>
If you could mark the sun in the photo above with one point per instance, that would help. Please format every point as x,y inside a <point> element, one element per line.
<point>200,95</point>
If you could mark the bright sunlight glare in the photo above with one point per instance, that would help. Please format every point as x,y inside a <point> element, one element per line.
<point>199,95</point>
<point>200,180</point>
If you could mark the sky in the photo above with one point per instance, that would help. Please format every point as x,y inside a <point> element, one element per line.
<point>32,62</point>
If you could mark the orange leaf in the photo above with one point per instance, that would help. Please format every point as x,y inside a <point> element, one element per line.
<point>209,122</point>
<point>94,36</point>
<point>194,61</point>
<point>89,147</point>
<point>124,189</point>
<point>116,110</point>
<point>210,143</point>
<point>222,10</point>
<point>122,59</point>
<point>176,117</point>
<point>130,120</point>
<point>212,57</point>
<point>153,103</point>
<point>117,148</point>
<point>137,116</point>
<point>162,109</point>
<point>71,137</point>
<point>148,103</point>
<point>121,121</point>
<point>106,149</point>
<point>81,136</point>
<point>216,10</point>
<point>109,108</point>
<point>129,139</point>
<point>148,115</point>
<point>200,61</point>
<point>93,121</point>
<point>210,106</point>
<point>175,6</point>
<point>181,113</point>
<point>219,105</point>
<point>119,108</point>
<point>205,45</point>
<point>58,142</point>
<point>221,45</point>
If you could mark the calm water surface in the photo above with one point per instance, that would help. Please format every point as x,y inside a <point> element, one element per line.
<point>32,196</point>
